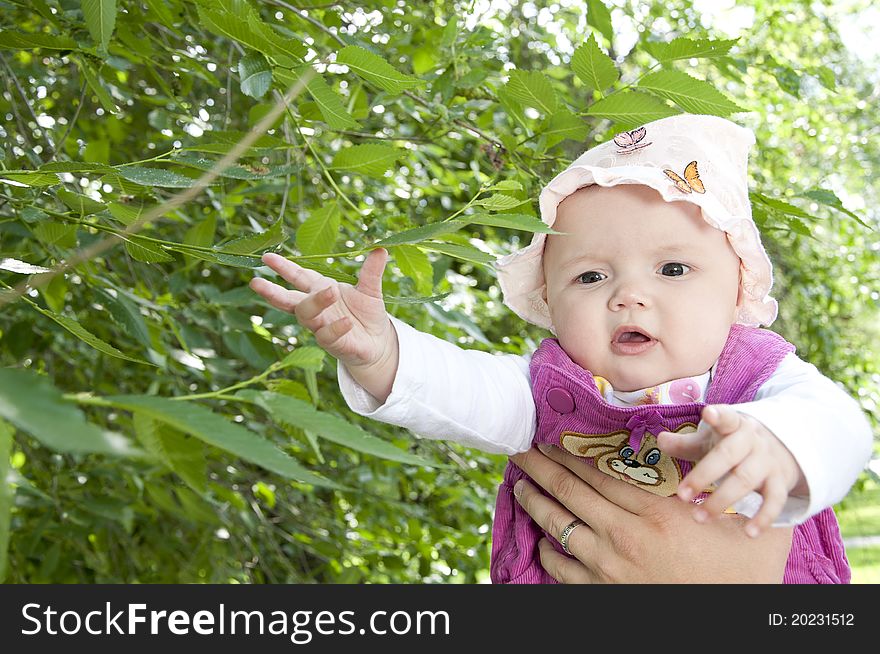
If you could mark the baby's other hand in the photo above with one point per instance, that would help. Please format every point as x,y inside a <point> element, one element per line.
<point>348,321</point>
<point>742,451</point>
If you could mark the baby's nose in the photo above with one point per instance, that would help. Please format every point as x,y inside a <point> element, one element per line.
<point>626,297</point>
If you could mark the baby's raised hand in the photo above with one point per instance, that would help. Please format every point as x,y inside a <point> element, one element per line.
<point>348,321</point>
<point>743,455</point>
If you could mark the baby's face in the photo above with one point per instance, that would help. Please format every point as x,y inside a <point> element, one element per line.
<point>640,291</point>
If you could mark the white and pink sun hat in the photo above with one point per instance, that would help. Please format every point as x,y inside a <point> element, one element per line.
<point>686,158</point>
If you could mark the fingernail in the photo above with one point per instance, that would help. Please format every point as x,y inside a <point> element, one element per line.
<point>544,447</point>
<point>752,531</point>
<point>700,515</point>
<point>685,493</point>
<point>518,488</point>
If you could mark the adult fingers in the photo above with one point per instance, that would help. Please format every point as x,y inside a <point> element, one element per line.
<point>302,278</point>
<point>749,475</point>
<point>370,276</point>
<point>724,419</point>
<point>562,568</point>
<point>721,459</point>
<point>553,517</point>
<point>314,304</point>
<point>775,496</point>
<point>619,494</point>
<point>278,296</point>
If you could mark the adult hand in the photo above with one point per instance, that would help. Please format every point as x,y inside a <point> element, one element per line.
<point>632,536</point>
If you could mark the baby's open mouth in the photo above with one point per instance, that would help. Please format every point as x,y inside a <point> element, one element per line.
<point>633,337</point>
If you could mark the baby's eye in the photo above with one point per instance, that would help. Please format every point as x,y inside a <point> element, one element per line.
<point>591,277</point>
<point>674,269</point>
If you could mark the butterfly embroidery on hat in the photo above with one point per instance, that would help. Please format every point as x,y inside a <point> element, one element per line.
<point>629,142</point>
<point>691,182</point>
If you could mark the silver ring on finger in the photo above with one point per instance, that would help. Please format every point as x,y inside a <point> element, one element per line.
<point>570,527</point>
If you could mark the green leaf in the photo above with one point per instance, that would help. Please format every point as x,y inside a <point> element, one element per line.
<point>100,18</point>
<point>126,314</point>
<point>235,171</point>
<point>599,17</point>
<point>564,125</point>
<point>830,199</point>
<point>154,177</point>
<point>691,94</point>
<point>219,257</point>
<point>291,411</point>
<point>183,454</point>
<point>506,185</point>
<point>520,221</point>
<point>306,357</point>
<point>419,234</point>
<point>213,429</point>
<point>202,233</point>
<point>88,337</point>
<point>6,494</point>
<point>330,104</point>
<point>631,109</point>
<point>532,89</point>
<point>145,251</point>
<point>98,89</point>
<point>255,75</point>
<point>30,402</point>
<point>280,44</point>
<point>82,204</point>
<point>30,178</point>
<point>685,48</point>
<point>129,212</point>
<point>56,234</point>
<point>826,77</point>
<point>319,231</point>
<point>499,202</point>
<point>255,242</point>
<point>10,40</point>
<point>74,167</point>
<point>237,29</point>
<point>415,264</point>
<point>368,159</point>
<point>376,70</point>
<point>594,68</point>
<point>463,252</point>
<point>779,205</point>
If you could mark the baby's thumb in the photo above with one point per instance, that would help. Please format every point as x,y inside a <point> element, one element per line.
<point>370,276</point>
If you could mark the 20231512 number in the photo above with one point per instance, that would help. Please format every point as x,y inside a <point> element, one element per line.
<point>811,620</point>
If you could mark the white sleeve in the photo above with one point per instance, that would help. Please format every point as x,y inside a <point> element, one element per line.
<point>442,391</point>
<point>821,425</point>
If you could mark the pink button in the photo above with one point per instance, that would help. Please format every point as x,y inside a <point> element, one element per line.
<point>560,400</point>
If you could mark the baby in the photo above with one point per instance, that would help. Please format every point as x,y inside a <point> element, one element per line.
<point>654,285</point>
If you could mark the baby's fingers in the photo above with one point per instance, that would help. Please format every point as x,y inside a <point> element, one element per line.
<point>721,459</point>
<point>748,476</point>
<point>775,496</point>
<point>691,446</point>
<point>308,310</point>
<point>303,278</point>
<point>278,296</point>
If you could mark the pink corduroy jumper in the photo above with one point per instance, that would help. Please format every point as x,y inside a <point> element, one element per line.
<point>621,441</point>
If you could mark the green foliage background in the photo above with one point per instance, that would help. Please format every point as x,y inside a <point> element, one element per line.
<point>160,423</point>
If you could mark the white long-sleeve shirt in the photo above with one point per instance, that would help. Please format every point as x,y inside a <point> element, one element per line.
<point>484,400</point>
